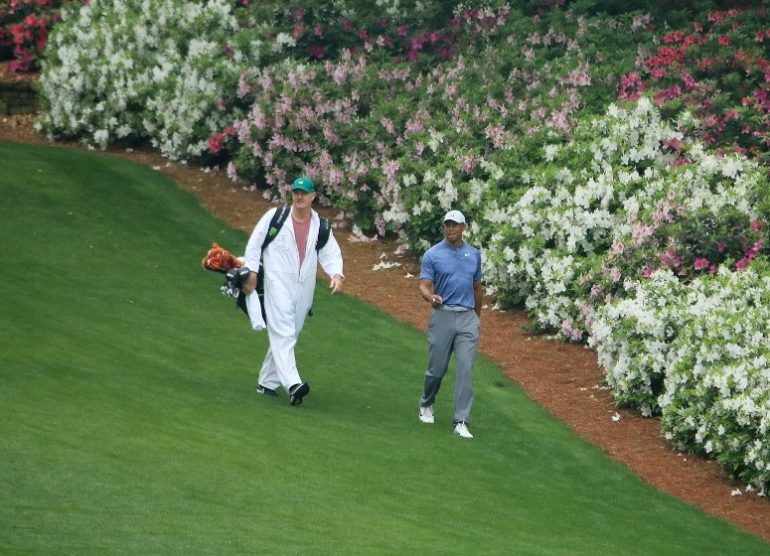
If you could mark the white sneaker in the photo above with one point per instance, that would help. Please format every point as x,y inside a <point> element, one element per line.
<point>461,429</point>
<point>426,414</point>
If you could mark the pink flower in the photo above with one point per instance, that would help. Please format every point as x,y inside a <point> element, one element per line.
<point>569,330</point>
<point>701,263</point>
<point>387,123</point>
<point>232,173</point>
<point>642,232</point>
<point>618,248</point>
<point>631,86</point>
<point>384,41</point>
<point>689,81</point>
<point>468,163</point>
<point>390,168</point>
<point>672,38</point>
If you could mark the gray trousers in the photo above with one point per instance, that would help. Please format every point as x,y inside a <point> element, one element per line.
<point>450,332</point>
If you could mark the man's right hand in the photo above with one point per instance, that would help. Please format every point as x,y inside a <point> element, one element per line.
<point>250,284</point>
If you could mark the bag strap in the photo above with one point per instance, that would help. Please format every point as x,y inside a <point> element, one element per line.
<point>276,223</point>
<point>324,230</point>
<point>280,217</point>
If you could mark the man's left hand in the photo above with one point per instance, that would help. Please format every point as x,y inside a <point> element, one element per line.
<point>336,284</point>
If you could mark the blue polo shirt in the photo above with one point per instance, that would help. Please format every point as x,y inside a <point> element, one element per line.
<point>453,272</point>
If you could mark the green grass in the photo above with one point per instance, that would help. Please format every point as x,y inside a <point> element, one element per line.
<point>129,422</point>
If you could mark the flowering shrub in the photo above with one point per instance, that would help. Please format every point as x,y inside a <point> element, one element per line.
<point>718,69</point>
<point>24,27</point>
<point>613,205</point>
<point>717,395</point>
<point>697,354</point>
<point>395,144</point>
<point>632,337</point>
<point>159,70</point>
<point>394,30</point>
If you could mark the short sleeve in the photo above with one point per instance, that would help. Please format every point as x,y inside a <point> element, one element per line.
<point>426,267</point>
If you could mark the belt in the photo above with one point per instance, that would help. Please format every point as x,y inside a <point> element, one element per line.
<point>453,308</point>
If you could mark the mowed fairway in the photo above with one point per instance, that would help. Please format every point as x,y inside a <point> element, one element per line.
<point>129,422</point>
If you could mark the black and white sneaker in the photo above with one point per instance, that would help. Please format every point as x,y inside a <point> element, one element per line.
<point>297,392</point>
<point>266,391</point>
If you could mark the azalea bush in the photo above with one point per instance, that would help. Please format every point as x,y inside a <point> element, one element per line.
<point>697,354</point>
<point>657,259</point>
<point>394,144</point>
<point>717,395</point>
<point>163,71</point>
<point>614,205</point>
<point>719,69</point>
<point>24,28</point>
<point>395,29</point>
<point>632,337</point>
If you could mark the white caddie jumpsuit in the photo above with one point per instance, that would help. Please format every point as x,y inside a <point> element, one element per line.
<point>289,291</point>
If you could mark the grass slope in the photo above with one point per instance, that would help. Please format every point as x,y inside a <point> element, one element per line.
<point>129,422</point>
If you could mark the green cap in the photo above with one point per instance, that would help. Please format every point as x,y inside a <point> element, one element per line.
<point>305,184</point>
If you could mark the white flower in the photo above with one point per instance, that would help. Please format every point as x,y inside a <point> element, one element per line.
<point>731,168</point>
<point>551,152</point>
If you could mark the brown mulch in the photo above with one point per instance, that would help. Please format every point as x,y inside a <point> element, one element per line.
<point>7,75</point>
<point>564,378</point>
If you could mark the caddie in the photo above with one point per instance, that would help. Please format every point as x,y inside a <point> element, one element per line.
<point>290,266</point>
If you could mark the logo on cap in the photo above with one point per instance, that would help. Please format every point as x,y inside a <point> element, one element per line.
<point>304,184</point>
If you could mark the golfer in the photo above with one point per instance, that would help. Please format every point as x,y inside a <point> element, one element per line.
<point>450,280</point>
<point>290,266</point>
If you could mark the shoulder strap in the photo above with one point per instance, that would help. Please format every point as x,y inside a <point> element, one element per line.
<point>324,230</point>
<point>276,223</point>
<point>280,217</point>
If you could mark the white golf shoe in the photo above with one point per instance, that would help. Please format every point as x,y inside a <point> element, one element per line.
<point>426,414</point>
<point>461,429</point>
